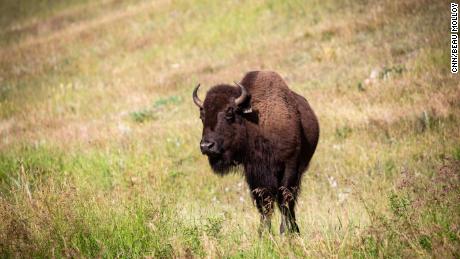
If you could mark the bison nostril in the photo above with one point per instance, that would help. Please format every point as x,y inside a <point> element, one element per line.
<point>206,144</point>
<point>206,147</point>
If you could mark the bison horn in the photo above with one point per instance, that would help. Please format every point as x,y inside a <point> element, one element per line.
<point>244,95</point>
<point>197,100</point>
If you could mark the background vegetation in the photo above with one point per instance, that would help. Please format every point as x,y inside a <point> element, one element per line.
<point>99,136</point>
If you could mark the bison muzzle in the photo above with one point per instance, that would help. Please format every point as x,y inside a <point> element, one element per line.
<point>268,129</point>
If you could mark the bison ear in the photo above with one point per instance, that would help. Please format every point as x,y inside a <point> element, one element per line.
<point>247,110</point>
<point>244,110</point>
<point>251,115</point>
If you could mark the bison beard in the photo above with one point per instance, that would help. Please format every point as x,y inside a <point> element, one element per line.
<point>268,129</point>
<point>221,164</point>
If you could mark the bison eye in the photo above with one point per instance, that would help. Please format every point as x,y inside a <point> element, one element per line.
<point>229,114</point>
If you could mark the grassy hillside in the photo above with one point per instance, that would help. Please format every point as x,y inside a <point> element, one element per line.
<point>99,136</point>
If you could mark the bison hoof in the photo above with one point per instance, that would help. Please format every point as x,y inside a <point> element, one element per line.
<point>289,229</point>
<point>282,228</point>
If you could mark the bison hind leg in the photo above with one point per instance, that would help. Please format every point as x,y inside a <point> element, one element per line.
<point>286,202</point>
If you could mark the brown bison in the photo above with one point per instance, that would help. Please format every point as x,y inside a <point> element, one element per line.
<point>268,129</point>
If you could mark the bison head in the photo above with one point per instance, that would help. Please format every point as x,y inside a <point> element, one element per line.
<point>224,131</point>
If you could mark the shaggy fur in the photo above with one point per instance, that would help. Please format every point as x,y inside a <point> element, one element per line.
<point>274,143</point>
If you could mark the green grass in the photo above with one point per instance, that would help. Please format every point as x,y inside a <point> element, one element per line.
<point>99,136</point>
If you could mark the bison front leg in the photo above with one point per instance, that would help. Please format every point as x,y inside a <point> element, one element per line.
<point>264,200</point>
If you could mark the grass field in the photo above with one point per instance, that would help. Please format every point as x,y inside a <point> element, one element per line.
<point>99,137</point>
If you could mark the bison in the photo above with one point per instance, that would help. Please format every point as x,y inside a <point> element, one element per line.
<point>266,128</point>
